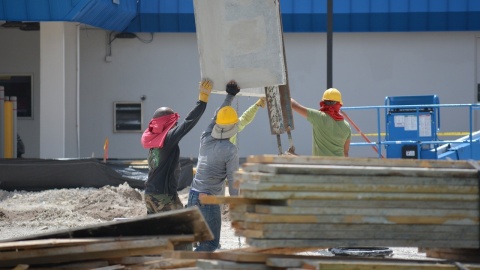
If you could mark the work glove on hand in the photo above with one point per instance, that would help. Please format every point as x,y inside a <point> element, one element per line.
<point>260,102</point>
<point>232,88</point>
<point>205,88</point>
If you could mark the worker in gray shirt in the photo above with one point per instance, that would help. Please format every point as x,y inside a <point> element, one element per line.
<point>217,161</point>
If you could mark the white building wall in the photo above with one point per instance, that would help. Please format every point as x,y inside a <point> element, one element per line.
<point>367,67</point>
<point>20,54</point>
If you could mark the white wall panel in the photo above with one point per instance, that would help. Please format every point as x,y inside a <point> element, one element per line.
<point>367,67</point>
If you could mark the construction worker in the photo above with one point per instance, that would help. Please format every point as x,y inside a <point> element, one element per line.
<point>162,138</point>
<point>331,133</point>
<point>217,161</point>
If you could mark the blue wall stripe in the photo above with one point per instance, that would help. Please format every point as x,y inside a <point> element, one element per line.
<point>297,15</point>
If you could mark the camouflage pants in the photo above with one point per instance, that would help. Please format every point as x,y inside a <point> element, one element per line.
<point>157,203</point>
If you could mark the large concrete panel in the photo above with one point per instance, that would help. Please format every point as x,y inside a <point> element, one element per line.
<point>240,40</point>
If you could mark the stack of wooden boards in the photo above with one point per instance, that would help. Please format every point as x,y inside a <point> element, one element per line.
<point>92,253</point>
<point>295,201</point>
<point>124,242</point>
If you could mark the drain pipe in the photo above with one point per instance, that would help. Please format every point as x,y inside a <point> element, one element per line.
<point>78,91</point>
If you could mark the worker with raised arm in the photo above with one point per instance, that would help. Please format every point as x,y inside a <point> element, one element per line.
<point>247,117</point>
<point>162,138</point>
<point>331,133</point>
<point>217,162</point>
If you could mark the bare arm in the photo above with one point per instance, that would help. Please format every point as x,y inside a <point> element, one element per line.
<point>299,108</point>
<point>346,147</point>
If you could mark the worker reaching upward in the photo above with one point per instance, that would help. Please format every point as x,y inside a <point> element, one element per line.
<point>331,133</point>
<point>247,117</point>
<point>162,138</point>
<point>217,162</point>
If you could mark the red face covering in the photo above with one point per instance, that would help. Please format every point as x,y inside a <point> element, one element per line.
<point>332,110</point>
<point>154,135</point>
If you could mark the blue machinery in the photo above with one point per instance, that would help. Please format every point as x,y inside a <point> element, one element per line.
<point>411,130</point>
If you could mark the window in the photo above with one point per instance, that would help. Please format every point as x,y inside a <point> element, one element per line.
<point>128,116</point>
<point>20,86</point>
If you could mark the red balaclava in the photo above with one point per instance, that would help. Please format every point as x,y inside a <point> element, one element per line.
<point>332,110</point>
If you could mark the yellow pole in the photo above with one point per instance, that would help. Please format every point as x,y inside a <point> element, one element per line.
<point>2,120</point>
<point>8,135</point>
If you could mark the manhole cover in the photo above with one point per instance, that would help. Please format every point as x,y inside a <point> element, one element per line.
<point>361,251</point>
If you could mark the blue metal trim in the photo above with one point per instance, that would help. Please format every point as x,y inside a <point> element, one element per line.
<point>99,13</point>
<point>297,15</point>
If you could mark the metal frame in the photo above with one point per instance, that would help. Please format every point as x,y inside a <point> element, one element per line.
<point>379,143</point>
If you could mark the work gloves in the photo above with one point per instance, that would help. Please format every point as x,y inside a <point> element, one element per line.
<point>260,102</point>
<point>205,88</point>
<point>232,88</point>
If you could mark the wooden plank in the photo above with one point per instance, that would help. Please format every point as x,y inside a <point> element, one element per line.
<point>224,255</point>
<point>316,195</point>
<point>271,243</point>
<point>110,267</point>
<point>176,222</point>
<point>358,170</point>
<point>134,260</point>
<point>356,234</point>
<point>45,243</point>
<point>49,243</point>
<point>365,187</point>
<point>244,176</point>
<point>465,205</point>
<point>457,254</point>
<point>276,250</point>
<point>351,219</point>
<point>288,210</point>
<point>361,265</point>
<point>119,248</point>
<point>321,227</point>
<point>86,265</point>
<point>227,265</point>
<point>461,164</point>
<point>85,256</point>
<point>168,263</point>
<point>236,200</point>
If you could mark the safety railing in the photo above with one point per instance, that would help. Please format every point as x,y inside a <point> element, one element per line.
<point>381,141</point>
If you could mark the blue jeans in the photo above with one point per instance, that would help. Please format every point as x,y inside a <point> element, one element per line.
<point>212,215</point>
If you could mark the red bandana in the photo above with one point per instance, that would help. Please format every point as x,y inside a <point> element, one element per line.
<point>332,110</point>
<point>156,132</point>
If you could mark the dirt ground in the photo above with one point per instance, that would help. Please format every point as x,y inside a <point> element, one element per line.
<point>27,213</point>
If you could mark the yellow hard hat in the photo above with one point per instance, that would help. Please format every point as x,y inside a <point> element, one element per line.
<point>227,116</point>
<point>332,94</point>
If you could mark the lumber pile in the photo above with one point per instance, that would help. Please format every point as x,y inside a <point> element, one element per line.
<point>137,242</point>
<point>295,201</point>
<point>88,252</point>
<point>271,259</point>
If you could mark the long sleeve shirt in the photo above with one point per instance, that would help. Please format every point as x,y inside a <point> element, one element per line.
<point>244,120</point>
<point>163,163</point>
<point>217,161</point>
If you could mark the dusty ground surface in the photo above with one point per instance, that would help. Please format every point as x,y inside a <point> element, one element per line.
<point>27,213</point>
